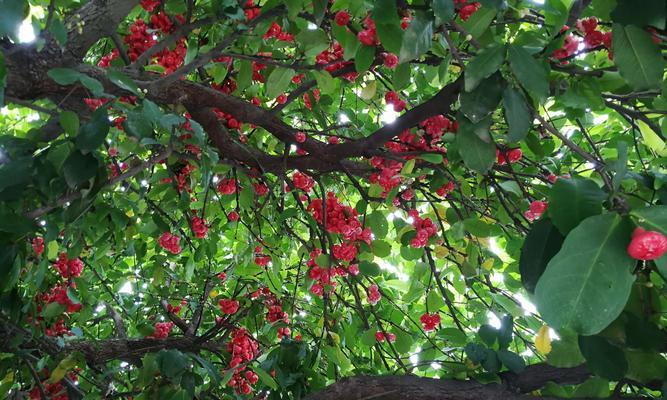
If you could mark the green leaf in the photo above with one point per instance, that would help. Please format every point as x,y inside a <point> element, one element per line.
<point>432,158</point>
<point>278,81</point>
<point>531,74</point>
<point>512,361</point>
<point>70,122</point>
<point>434,301</point>
<point>53,310</point>
<point>652,218</point>
<point>417,38</point>
<point>313,41</point>
<point>364,58</point>
<point>94,131</point>
<point>381,248</point>
<point>541,244</point>
<point>651,139</point>
<point>171,363</point>
<point>477,154</point>
<point>266,379</point>
<point>123,81</point>
<point>59,31</point>
<point>369,268</point>
<point>479,22</point>
<point>602,358</point>
<point>137,125</point>
<point>587,283</point>
<point>401,78</point>
<point>11,16</point>
<point>64,76</point>
<point>485,64</point>
<point>377,221</point>
<point>79,168</point>
<point>651,12</point>
<point>565,351</point>
<point>403,342</point>
<point>482,101</point>
<point>387,23</point>
<point>92,84</point>
<point>325,82</point>
<point>638,59</point>
<point>443,10</point>
<point>572,200</point>
<point>368,338</point>
<point>517,115</point>
<point>385,12</point>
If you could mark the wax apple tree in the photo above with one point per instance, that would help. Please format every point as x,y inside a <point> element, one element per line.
<point>346,199</point>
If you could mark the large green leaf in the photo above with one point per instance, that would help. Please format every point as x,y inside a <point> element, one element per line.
<point>171,363</point>
<point>484,65</point>
<point>587,283</point>
<point>531,74</point>
<point>651,12</point>
<point>364,58</point>
<point>517,115</point>
<point>94,131</point>
<point>652,218</point>
<point>278,81</point>
<point>79,167</point>
<point>541,244</point>
<point>603,358</point>
<point>638,59</point>
<point>482,101</point>
<point>417,38</point>
<point>123,81</point>
<point>443,9</point>
<point>477,153</point>
<point>11,16</point>
<point>572,200</point>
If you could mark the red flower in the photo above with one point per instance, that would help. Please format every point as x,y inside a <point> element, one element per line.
<point>342,18</point>
<point>281,99</point>
<point>373,294</point>
<point>170,242</point>
<point>647,245</point>
<point>228,306</point>
<point>390,60</point>
<point>300,137</point>
<point>233,216</point>
<point>366,37</point>
<point>429,321</point>
<point>199,227</point>
<point>303,181</point>
<point>38,246</point>
<point>68,268</point>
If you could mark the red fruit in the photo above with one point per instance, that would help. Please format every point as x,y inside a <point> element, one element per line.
<point>647,245</point>
<point>342,18</point>
<point>233,216</point>
<point>333,140</point>
<point>282,99</point>
<point>38,246</point>
<point>300,137</point>
<point>228,306</point>
<point>373,294</point>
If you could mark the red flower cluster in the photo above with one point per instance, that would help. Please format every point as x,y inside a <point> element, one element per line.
<point>53,391</point>
<point>276,312</point>
<point>324,275</point>
<point>199,227</point>
<point>537,208</point>
<point>592,36</point>
<point>243,348</point>
<point>303,181</point>
<point>38,246</point>
<point>445,189</point>
<point>177,309</point>
<point>647,245</point>
<point>467,10</point>
<point>390,60</point>
<point>373,294</point>
<point>345,251</point>
<point>276,31</point>
<point>381,337</point>
<point>162,330</point>
<point>170,243</point>
<point>286,331</point>
<point>228,306</point>
<point>368,36</point>
<point>251,11</point>
<point>58,294</point>
<point>233,216</point>
<point>261,259</point>
<point>342,18</point>
<point>150,5</point>
<point>393,99</point>
<point>68,268</point>
<point>425,229</point>
<point>227,186</point>
<point>333,59</point>
<point>341,219</point>
<point>429,321</point>
<point>513,155</point>
<point>306,99</point>
<point>260,189</point>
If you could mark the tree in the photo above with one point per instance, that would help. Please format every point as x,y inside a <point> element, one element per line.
<point>438,199</point>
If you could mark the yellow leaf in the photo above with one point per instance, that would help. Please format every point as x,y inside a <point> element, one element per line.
<point>214,293</point>
<point>335,338</point>
<point>130,213</point>
<point>64,365</point>
<point>488,264</point>
<point>543,341</point>
<point>441,251</point>
<point>651,139</point>
<point>368,92</point>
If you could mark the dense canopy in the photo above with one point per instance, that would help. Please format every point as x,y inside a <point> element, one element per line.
<point>346,199</point>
